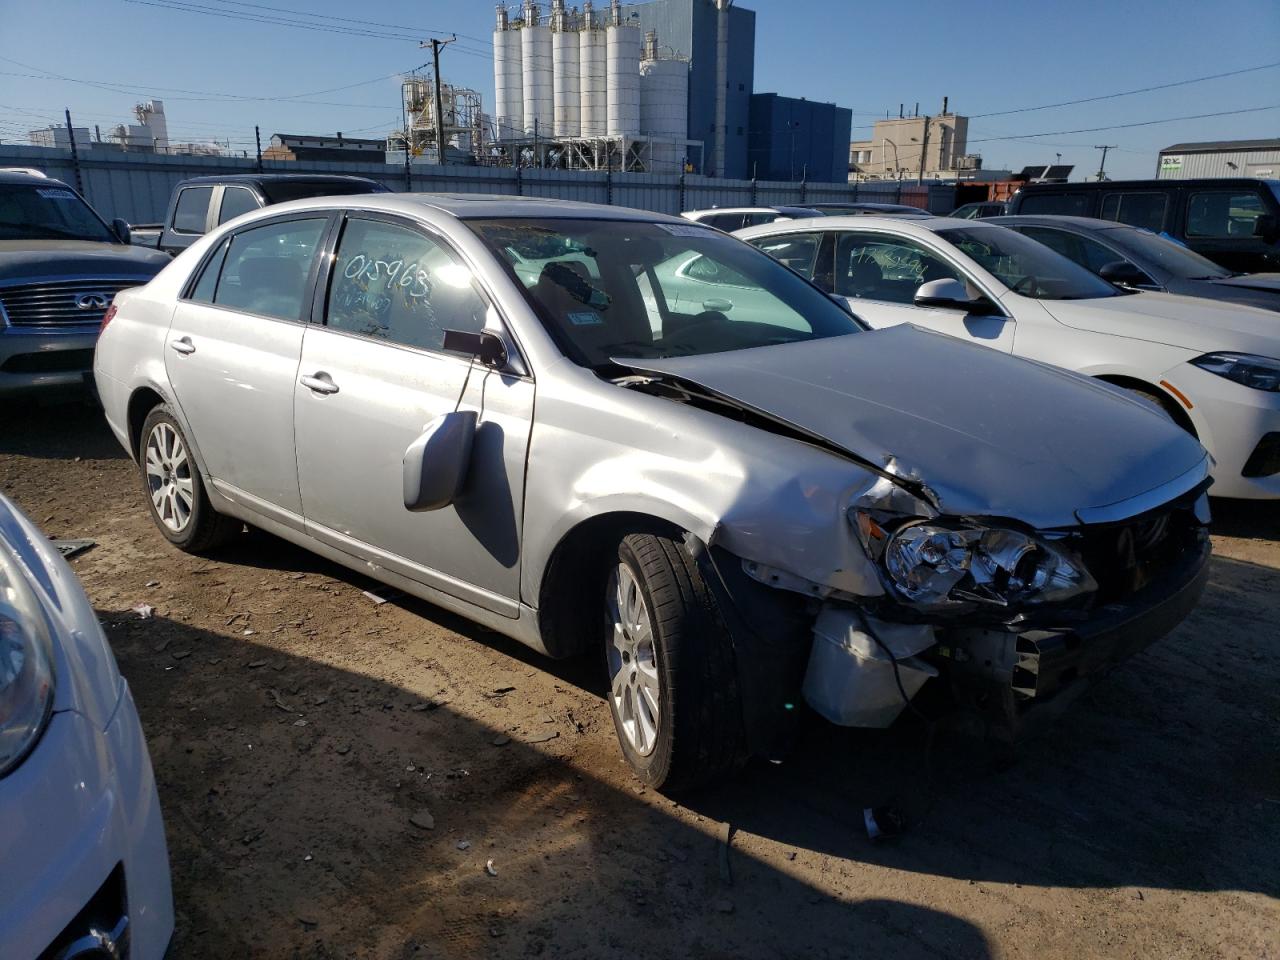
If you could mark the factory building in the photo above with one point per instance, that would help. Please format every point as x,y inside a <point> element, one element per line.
<point>1220,158</point>
<point>797,139</point>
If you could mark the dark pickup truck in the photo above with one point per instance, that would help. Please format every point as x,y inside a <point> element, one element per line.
<point>201,203</point>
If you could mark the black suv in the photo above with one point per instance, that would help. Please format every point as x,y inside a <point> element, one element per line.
<point>1235,222</point>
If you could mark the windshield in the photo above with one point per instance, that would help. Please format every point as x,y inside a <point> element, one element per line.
<point>48,212</point>
<point>1174,257</point>
<point>281,191</point>
<point>1027,267</point>
<point>611,288</point>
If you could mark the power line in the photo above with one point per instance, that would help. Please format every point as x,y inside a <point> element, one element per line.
<point>1126,126</point>
<point>327,16</point>
<point>1127,93</point>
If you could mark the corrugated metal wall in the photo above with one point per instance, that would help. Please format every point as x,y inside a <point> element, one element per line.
<point>1247,163</point>
<point>136,186</point>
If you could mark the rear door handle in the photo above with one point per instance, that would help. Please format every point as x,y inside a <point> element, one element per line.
<point>183,345</point>
<point>319,382</point>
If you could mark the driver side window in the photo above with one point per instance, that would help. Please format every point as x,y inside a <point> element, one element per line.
<point>874,266</point>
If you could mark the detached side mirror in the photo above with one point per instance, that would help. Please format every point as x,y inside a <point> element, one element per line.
<point>1124,274</point>
<point>950,294</point>
<point>1267,227</point>
<point>435,465</point>
<point>121,229</point>
<point>487,347</point>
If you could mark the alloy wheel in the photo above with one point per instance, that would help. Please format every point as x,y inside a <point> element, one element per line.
<point>169,480</point>
<point>633,664</point>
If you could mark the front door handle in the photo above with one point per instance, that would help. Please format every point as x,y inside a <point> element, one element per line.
<point>319,382</point>
<point>183,345</point>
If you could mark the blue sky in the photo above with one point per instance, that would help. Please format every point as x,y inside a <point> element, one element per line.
<point>220,76</point>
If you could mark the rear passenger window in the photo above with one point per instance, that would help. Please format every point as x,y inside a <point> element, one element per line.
<point>1223,213</point>
<point>235,201</point>
<point>266,268</point>
<point>1145,210</point>
<point>1056,204</point>
<point>208,282</point>
<point>1090,254</point>
<point>399,285</point>
<point>799,251</point>
<point>192,209</point>
<point>724,221</point>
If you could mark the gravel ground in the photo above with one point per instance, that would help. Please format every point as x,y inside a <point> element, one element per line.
<point>336,775</point>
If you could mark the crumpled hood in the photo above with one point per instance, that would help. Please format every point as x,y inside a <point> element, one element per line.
<point>1190,322</point>
<point>22,260</point>
<point>988,434</point>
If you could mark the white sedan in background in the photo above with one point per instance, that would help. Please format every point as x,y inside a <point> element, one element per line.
<point>1214,368</point>
<point>84,871</point>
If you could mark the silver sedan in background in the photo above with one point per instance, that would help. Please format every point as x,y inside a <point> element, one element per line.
<point>606,430</point>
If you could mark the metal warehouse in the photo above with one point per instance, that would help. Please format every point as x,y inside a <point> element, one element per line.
<point>1220,158</point>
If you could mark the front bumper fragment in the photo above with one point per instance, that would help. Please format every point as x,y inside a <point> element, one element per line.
<point>1008,671</point>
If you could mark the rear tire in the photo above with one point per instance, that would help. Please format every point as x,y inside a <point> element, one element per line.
<point>673,687</point>
<point>174,489</point>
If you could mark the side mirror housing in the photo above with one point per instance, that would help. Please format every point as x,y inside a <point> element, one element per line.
<point>1123,274</point>
<point>487,347</point>
<point>121,229</point>
<point>950,294</point>
<point>435,465</point>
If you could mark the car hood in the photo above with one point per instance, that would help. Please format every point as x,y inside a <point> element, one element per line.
<point>982,433</point>
<point>71,259</point>
<point>1190,322</point>
<point>1251,281</point>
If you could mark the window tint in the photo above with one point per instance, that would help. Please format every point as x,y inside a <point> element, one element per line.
<point>724,221</point>
<point>193,207</point>
<point>1090,254</point>
<point>1223,213</point>
<point>397,284</point>
<point>1057,204</point>
<point>1144,210</point>
<point>208,282</point>
<point>235,201</point>
<point>266,268</point>
<point>878,267</point>
<point>799,251</point>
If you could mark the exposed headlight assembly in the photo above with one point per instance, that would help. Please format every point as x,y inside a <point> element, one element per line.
<point>938,565</point>
<point>1260,373</point>
<point>26,666</point>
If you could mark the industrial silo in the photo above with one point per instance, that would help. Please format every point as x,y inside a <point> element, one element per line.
<point>535,53</point>
<point>565,67</point>
<point>664,108</point>
<point>508,79</point>
<point>622,75</point>
<point>591,75</point>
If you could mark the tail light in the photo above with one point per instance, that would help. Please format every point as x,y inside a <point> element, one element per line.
<point>107,317</point>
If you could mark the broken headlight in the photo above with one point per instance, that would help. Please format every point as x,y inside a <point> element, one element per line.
<point>938,565</point>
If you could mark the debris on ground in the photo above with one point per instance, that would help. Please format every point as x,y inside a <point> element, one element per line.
<point>725,838</point>
<point>153,583</point>
<point>724,906</point>
<point>501,740</point>
<point>463,844</point>
<point>883,823</point>
<point>423,820</point>
<point>71,548</point>
<point>144,610</point>
<point>490,869</point>
<point>255,664</point>
<point>543,737</point>
<point>382,596</point>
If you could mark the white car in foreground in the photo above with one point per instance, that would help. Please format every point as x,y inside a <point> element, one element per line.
<point>84,871</point>
<point>1214,368</point>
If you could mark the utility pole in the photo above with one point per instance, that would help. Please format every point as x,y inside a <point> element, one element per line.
<point>75,154</point>
<point>924,148</point>
<point>436,47</point>
<point>1102,167</point>
<point>257,137</point>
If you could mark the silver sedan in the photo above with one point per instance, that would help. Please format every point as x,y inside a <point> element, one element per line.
<point>597,429</point>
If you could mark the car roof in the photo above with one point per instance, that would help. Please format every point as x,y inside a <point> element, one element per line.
<point>925,224</point>
<point>776,209</point>
<point>478,206</point>
<point>1089,185</point>
<point>251,178</point>
<point>1084,224</point>
<point>14,176</point>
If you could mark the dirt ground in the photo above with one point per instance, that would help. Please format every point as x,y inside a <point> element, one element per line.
<point>300,732</point>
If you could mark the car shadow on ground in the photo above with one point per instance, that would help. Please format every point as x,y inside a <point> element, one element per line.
<point>254,750</point>
<point>1132,786</point>
<point>1249,519</point>
<point>57,431</point>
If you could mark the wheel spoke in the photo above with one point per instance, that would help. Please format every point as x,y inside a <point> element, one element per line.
<point>185,490</point>
<point>158,497</point>
<point>617,685</point>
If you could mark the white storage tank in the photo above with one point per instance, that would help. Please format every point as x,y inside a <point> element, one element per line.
<point>592,95</point>
<point>535,54</point>
<point>622,76</point>
<point>508,79</point>
<point>664,111</point>
<point>565,68</point>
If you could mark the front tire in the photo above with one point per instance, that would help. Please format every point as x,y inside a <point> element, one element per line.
<point>175,492</point>
<point>673,689</point>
